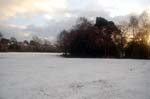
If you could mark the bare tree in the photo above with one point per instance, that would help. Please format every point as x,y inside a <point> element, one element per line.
<point>1,35</point>
<point>123,27</point>
<point>134,25</point>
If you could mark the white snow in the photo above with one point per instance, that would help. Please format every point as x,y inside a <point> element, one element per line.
<point>49,76</point>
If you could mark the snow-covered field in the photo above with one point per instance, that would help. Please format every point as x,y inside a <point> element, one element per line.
<point>49,76</point>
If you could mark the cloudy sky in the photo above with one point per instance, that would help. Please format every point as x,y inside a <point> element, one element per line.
<point>46,18</point>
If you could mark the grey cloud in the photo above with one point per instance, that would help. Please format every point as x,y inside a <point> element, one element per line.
<point>62,19</point>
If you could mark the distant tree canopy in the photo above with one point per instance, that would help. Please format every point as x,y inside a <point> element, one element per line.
<point>91,40</point>
<point>13,44</point>
<point>36,44</point>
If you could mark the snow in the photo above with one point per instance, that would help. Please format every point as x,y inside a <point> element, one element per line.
<point>49,76</point>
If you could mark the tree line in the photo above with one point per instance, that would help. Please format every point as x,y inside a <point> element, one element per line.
<point>36,44</point>
<point>128,39</point>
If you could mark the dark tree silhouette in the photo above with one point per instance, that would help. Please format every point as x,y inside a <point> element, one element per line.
<point>110,35</point>
<point>62,42</point>
<point>88,40</point>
